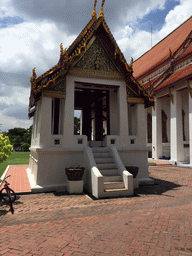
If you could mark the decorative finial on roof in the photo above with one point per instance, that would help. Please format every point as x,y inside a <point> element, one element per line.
<point>131,64</point>
<point>94,14</point>
<point>61,49</point>
<point>34,76</point>
<point>101,14</point>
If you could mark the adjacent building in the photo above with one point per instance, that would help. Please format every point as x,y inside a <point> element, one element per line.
<point>165,72</point>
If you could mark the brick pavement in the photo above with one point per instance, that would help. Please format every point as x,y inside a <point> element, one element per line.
<point>18,180</point>
<point>156,221</point>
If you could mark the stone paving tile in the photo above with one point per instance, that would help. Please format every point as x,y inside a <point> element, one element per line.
<point>156,221</point>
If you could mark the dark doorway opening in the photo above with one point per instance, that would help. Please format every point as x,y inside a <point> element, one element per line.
<point>95,116</point>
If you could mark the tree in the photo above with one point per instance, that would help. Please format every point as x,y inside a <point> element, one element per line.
<point>19,136</point>
<point>5,148</point>
<point>25,147</point>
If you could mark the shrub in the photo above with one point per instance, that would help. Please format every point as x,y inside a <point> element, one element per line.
<point>25,147</point>
<point>5,148</point>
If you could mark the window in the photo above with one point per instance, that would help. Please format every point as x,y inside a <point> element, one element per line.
<point>57,115</point>
<point>132,119</point>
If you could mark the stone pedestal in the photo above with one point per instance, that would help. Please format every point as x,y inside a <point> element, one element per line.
<point>75,186</point>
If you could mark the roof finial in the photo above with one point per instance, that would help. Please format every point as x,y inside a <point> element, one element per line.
<point>61,49</point>
<point>94,14</point>
<point>101,14</point>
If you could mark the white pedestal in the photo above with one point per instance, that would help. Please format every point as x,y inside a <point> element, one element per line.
<point>75,186</point>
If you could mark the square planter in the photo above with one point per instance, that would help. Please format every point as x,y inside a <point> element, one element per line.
<point>75,186</point>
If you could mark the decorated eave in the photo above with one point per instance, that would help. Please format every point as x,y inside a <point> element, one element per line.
<point>95,27</point>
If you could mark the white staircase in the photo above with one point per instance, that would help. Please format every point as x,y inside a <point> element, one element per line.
<point>113,181</point>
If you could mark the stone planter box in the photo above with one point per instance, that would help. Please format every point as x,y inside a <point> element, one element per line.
<point>74,182</point>
<point>75,186</point>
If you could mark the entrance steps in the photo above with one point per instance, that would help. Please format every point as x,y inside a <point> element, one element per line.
<point>112,181</point>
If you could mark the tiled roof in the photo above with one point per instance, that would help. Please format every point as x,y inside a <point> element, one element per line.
<point>160,53</point>
<point>176,77</point>
<point>187,52</point>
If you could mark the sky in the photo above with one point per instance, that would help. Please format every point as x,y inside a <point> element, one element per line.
<point>31,32</point>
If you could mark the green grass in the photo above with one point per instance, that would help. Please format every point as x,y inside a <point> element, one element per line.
<point>16,158</point>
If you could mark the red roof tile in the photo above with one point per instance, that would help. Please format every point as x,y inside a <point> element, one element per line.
<point>184,73</point>
<point>187,52</point>
<point>160,52</point>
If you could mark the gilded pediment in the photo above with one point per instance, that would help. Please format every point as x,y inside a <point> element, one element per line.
<point>96,60</point>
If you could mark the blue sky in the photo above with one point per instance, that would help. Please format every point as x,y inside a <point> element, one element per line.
<point>9,21</point>
<point>156,18</point>
<point>31,32</point>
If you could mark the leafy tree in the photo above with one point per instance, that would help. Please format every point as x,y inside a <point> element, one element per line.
<point>25,147</point>
<point>19,136</point>
<point>5,148</point>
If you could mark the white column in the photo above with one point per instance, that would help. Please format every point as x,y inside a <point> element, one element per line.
<point>190,126</point>
<point>177,152</point>
<point>156,130</point>
<point>45,122</point>
<point>123,115</point>
<point>67,139</point>
<point>141,125</point>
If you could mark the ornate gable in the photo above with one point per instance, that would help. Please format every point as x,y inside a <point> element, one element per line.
<point>96,62</point>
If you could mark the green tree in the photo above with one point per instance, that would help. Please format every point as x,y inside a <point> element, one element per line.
<point>5,148</point>
<point>25,147</point>
<point>19,136</point>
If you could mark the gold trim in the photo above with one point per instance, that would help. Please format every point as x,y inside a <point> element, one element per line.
<point>189,88</point>
<point>96,74</point>
<point>54,94</point>
<point>135,100</point>
<point>154,106</point>
<point>171,96</point>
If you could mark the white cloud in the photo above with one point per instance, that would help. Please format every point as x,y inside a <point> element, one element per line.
<point>26,45</point>
<point>14,109</point>
<point>6,9</point>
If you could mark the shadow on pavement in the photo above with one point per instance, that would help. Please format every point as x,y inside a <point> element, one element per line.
<point>159,188</point>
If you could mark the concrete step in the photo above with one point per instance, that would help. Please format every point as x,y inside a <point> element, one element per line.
<point>106,166</point>
<point>102,154</point>
<point>118,192</point>
<point>109,172</point>
<point>113,185</point>
<point>105,160</point>
<point>112,178</point>
<point>100,150</point>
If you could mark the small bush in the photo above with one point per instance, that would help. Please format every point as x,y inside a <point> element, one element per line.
<point>5,148</point>
<point>25,147</point>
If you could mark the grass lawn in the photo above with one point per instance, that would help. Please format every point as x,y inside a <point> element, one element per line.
<point>16,158</point>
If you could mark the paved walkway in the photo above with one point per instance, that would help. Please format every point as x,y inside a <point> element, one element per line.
<point>18,180</point>
<point>156,221</point>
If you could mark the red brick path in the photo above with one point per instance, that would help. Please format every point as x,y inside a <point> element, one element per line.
<point>158,221</point>
<point>18,181</point>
